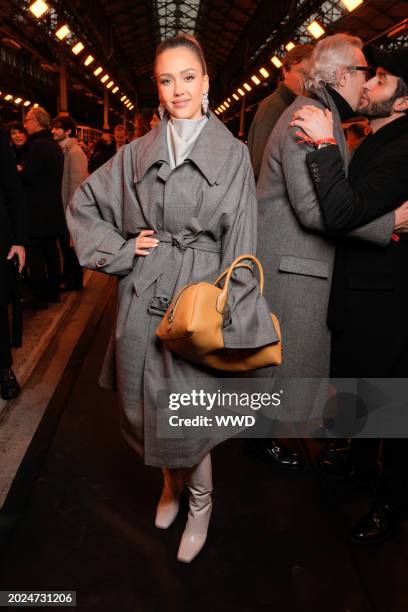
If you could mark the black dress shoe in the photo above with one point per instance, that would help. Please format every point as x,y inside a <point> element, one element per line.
<point>379,524</point>
<point>276,453</point>
<point>9,384</point>
<point>336,460</point>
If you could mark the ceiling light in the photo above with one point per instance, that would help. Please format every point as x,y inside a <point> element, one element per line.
<point>276,61</point>
<point>264,72</point>
<point>89,60</point>
<point>255,79</point>
<point>27,103</point>
<point>105,78</point>
<point>35,105</point>
<point>351,4</point>
<point>247,87</point>
<point>241,92</point>
<point>290,46</point>
<point>98,71</point>
<point>109,85</point>
<point>77,48</point>
<point>234,95</point>
<point>8,97</point>
<point>315,29</point>
<point>123,98</point>
<point>226,104</point>
<point>62,32</point>
<point>216,111</point>
<point>228,99</point>
<point>17,100</point>
<point>115,89</point>
<point>38,8</point>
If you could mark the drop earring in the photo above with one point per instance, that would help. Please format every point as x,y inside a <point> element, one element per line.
<point>205,103</point>
<point>162,111</point>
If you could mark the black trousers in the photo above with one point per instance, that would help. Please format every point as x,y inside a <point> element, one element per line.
<point>71,271</point>
<point>44,265</point>
<point>5,342</point>
<point>363,360</point>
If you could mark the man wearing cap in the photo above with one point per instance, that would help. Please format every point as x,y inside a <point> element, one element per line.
<point>369,294</point>
<point>75,171</point>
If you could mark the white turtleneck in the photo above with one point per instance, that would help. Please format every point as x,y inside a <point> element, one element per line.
<point>181,137</point>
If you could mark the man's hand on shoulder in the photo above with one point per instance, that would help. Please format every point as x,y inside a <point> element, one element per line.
<point>401,219</point>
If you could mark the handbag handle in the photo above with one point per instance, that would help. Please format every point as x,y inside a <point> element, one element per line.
<point>222,299</point>
<point>224,274</point>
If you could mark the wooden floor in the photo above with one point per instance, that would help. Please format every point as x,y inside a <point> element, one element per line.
<point>80,517</point>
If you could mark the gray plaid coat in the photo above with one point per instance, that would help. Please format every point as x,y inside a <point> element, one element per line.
<point>204,214</point>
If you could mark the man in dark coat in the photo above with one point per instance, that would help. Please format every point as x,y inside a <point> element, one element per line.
<point>119,139</point>
<point>294,70</point>
<point>12,239</point>
<point>369,296</point>
<point>42,180</point>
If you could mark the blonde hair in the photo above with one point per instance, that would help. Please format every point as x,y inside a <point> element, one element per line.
<point>43,118</point>
<point>330,54</point>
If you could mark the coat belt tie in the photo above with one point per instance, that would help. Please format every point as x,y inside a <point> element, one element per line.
<point>171,246</point>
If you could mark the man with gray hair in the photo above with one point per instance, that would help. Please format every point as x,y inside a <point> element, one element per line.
<point>42,181</point>
<point>295,246</point>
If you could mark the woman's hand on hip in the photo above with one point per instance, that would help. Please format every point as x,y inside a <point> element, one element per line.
<point>145,242</point>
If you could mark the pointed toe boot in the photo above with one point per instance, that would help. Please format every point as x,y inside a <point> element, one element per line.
<point>199,482</point>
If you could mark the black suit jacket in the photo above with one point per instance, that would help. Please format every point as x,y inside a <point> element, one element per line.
<point>13,221</point>
<point>42,181</point>
<point>369,297</point>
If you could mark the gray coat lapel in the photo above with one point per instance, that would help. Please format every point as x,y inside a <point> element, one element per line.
<point>209,153</point>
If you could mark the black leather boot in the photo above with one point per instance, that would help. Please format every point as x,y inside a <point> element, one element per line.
<point>276,453</point>
<point>9,384</point>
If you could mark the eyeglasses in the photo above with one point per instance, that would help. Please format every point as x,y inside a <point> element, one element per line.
<point>370,71</point>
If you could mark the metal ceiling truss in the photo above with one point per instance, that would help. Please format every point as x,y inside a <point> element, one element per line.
<point>175,16</point>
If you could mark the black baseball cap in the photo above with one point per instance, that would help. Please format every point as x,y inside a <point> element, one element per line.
<point>395,62</point>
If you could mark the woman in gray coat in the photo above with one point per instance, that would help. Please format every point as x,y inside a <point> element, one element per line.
<point>173,207</point>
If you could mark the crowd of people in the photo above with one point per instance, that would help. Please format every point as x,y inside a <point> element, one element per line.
<point>48,164</point>
<point>178,203</point>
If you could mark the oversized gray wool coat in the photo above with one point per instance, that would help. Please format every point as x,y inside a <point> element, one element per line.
<point>296,252</point>
<point>204,213</point>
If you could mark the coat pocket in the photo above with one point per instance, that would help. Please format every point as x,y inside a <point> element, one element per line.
<point>304,266</point>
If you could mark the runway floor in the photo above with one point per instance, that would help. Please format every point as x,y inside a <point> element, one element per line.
<point>83,505</point>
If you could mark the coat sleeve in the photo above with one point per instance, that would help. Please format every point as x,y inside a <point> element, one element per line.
<point>304,199</point>
<point>14,197</point>
<point>95,218</point>
<point>379,191</point>
<point>250,324</point>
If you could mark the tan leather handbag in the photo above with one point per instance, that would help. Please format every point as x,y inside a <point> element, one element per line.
<point>192,326</point>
